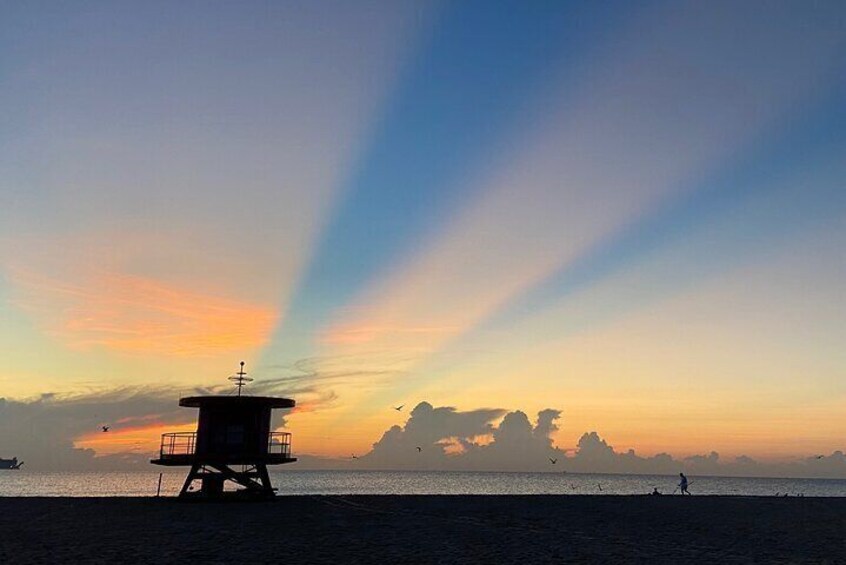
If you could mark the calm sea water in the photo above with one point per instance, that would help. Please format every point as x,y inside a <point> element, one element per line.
<point>28,483</point>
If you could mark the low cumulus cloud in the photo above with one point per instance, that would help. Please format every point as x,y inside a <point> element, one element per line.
<point>483,439</point>
<point>62,432</point>
<point>494,439</point>
<point>42,431</point>
<point>45,432</point>
<point>56,432</point>
<point>595,455</point>
<point>433,430</point>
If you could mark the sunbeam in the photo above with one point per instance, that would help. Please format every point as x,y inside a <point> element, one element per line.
<point>598,169</point>
<point>202,161</point>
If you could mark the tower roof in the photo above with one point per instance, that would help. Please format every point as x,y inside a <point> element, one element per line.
<point>233,401</point>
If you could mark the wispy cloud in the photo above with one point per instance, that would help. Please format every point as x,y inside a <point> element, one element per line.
<point>350,335</point>
<point>137,314</point>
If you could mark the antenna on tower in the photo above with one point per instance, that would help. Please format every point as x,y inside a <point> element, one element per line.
<point>240,378</point>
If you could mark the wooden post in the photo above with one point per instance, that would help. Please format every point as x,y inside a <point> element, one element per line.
<point>159,488</point>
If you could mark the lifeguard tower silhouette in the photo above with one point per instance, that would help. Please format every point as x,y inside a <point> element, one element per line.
<point>232,431</point>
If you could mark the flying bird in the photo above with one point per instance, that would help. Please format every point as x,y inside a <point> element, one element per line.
<point>355,456</point>
<point>105,428</point>
<point>419,449</point>
<point>553,461</point>
<point>399,408</point>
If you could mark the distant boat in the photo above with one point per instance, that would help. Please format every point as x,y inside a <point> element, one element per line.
<point>10,464</point>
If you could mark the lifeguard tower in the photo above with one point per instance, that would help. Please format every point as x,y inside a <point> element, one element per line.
<point>233,442</point>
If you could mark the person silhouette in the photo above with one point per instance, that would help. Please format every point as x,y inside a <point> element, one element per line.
<point>683,484</point>
<point>655,491</point>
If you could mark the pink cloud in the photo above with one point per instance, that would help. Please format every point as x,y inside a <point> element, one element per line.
<point>137,314</point>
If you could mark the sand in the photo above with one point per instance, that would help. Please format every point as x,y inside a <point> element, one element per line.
<point>425,529</point>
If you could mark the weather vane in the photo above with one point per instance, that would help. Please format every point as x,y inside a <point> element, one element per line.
<point>240,378</point>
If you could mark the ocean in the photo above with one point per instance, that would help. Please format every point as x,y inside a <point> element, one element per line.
<point>30,483</point>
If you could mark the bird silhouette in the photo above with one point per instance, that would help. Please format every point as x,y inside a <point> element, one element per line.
<point>820,456</point>
<point>419,449</point>
<point>553,461</point>
<point>105,428</point>
<point>399,408</point>
<point>355,456</point>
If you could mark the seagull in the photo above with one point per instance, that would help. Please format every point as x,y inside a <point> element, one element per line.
<point>820,456</point>
<point>399,408</point>
<point>355,456</point>
<point>553,461</point>
<point>419,449</point>
<point>105,428</point>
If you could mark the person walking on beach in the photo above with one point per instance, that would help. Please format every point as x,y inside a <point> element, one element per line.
<point>683,484</point>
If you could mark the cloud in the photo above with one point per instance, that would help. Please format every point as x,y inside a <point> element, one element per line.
<point>43,431</point>
<point>450,439</point>
<point>431,429</point>
<point>62,432</point>
<point>313,380</point>
<point>493,439</point>
<point>328,370</point>
<point>595,455</point>
<point>140,314</point>
<point>351,335</point>
<point>59,432</point>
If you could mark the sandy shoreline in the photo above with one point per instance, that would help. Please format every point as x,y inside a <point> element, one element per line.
<point>426,529</point>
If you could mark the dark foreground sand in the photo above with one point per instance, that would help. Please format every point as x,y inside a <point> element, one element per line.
<point>425,529</point>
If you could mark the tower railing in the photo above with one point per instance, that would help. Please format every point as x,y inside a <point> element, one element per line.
<point>175,444</point>
<point>178,443</point>
<point>279,443</point>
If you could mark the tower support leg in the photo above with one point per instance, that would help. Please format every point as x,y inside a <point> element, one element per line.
<point>192,474</point>
<point>261,469</point>
<point>255,480</point>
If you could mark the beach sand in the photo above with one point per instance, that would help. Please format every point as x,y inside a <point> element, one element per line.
<point>425,529</point>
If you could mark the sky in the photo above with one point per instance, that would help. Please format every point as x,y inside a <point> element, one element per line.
<point>542,228</point>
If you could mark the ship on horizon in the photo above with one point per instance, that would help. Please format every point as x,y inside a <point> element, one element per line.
<point>10,464</point>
